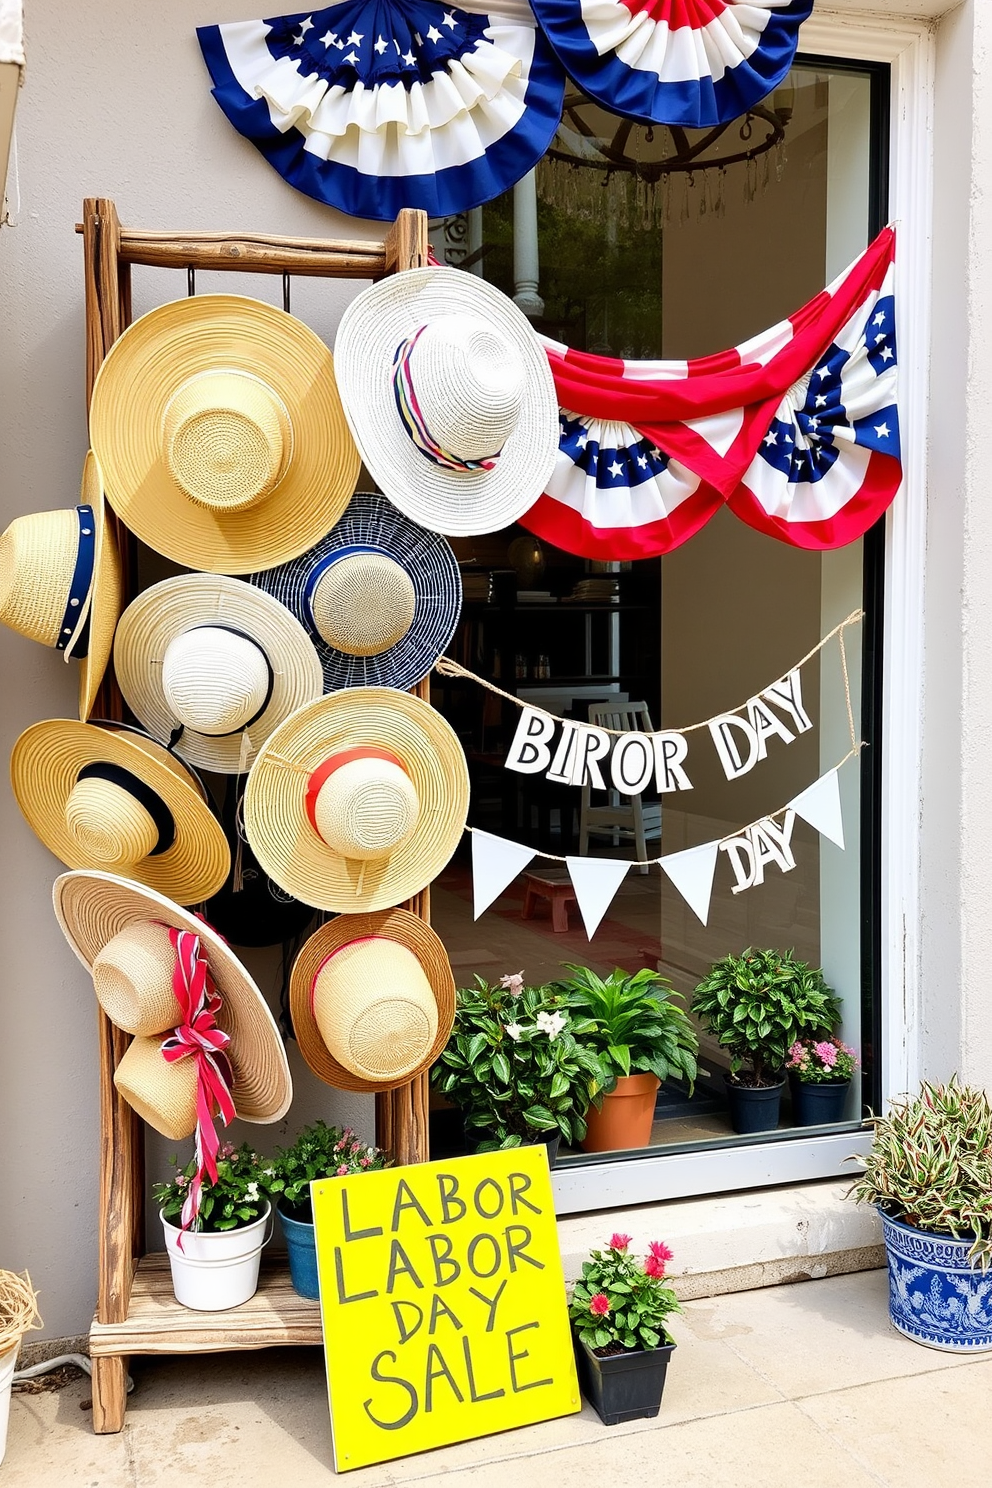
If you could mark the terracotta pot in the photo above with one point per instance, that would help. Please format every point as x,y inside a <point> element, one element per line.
<point>626,1117</point>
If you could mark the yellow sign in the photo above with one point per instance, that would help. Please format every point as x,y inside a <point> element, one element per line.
<point>443,1304</point>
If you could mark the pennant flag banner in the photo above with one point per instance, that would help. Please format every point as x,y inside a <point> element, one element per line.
<point>692,873</point>
<point>819,805</point>
<point>595,881</point>
<point>495,863</point>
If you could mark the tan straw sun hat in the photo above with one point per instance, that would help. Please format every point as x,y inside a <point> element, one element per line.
<point>214,665</point>
<point>99,798</point>
<point>450,398</point>
<point>219,429</point>
<point>358,800</point>
<point>372,999</point>
<point>120,932</point>
<point>60,582</point>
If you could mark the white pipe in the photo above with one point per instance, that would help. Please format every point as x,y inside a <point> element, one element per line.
<point>81,1361</point>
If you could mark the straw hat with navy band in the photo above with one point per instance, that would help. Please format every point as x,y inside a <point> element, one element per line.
<point>379,596</point>
<point>450,398</point>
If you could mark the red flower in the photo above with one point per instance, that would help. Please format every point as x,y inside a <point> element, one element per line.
<point>599,1305</point>
<point>619,1242</point>
<point>660,1250</point>
<point>654,1267</point>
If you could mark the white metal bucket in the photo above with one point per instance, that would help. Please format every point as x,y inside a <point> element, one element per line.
<point>213,1272</point>
<point>7,1362</point>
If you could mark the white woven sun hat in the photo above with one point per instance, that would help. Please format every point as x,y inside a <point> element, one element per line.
<point>380,596</point>
<point>450,398</point>
<point>212,665</point>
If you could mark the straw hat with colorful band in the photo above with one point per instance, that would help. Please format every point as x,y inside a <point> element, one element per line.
<point>100,799</point>
<point>372,999</point>
<point>379,595</point>
<point>205,660</point>
<point>358,800</point>
<point>220,432</point>
<point>450,398</point>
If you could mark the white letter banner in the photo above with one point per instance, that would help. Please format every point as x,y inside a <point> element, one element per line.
<point>595,881</point>
<point>692,873</point>
<point>495,863</point>
<point>819,805</point>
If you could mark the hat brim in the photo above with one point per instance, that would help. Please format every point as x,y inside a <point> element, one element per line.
<point>92,907</point>
<point>394,924</point>
<point>44,767</point>
<point>457,503</point>
<point>107,594</point>
<point>150,361</point>
<point>276,821</point>
<point>373,522</point>
<point>188,601</point>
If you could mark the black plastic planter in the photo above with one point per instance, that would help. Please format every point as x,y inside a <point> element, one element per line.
<point>623,1387</point>
<point>817,1105</point>
<point>754,1108</point>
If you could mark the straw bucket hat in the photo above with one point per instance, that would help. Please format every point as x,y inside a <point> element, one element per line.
<point>120,932</point>
<point>380,597</point>
<point>60,582</point>
<point>358,800</point>
<point>450,398</point>
<point>220,433</point>
<point>217,659</point>
<point>104,798</point>
<point>372,999</point>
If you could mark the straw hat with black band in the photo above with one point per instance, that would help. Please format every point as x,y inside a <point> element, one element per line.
<point>212,665</point>
<point>380,596</point>
<point>219,429</point>
<point>372,999</point>
<point>450,398</point>
<point>60,582</point>
<point>99,798</point>
<point>358,800</point>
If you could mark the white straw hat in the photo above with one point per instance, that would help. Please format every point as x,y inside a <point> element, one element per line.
<point>450,398</point>
<point>204,660</point>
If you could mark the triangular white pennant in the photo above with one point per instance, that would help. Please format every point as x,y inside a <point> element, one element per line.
<point>595,881</point>
<point>495,863</point>
<point>819,804</point>
<point>692,873</point>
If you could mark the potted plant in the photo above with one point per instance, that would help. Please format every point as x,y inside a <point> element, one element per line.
<point>619,1313</point>
<point>518,1066</point>
<point>929,1172</point>
<point>641,1038</point>
<point>820,1073</point>
<point>320,1151</point>
<point>758,1004</point>
<point>215,1261</point>
<point>18,1315</point>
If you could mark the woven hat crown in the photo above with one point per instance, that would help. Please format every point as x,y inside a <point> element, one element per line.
<point>226,439</point>
<point>214,681</point>
<point>37,560</point>
<point>367,808</point>
<point>132,978</point>
<point>163,1094</point>
<point>375,1009</point>
<point>364,603</point>
<point>470,381</point>
<point>108,824</point>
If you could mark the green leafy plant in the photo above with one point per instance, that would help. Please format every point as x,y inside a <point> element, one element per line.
<point>518,1064</point>
<point>758,1004</point>
<point>621,1303</point>
<point>822,1061</point>
<point>237,1198</point>
<point>638,1029</point>
<point>320,1151</point>
<point>930,1165</point>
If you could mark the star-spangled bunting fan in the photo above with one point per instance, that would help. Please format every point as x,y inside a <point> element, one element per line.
<point>374,105</point>
<point>797,430</point>
<point>688,62</point>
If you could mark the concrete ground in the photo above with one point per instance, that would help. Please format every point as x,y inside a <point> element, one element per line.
<point>804,1384</point>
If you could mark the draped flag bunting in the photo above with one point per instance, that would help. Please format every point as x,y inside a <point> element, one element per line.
<point>797,430</point>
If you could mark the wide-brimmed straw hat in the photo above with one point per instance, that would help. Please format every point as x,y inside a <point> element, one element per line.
<point>372,999</point>
<point>60,582</point>
<point>205,660</point>
<point>120,932</point>
<point>220,433</point>
<point>358,800</point>
<point>450,398</point>
<point>380,596</point>
<point>100,798</point>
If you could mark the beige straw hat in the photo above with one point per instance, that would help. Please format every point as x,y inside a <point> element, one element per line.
<point>219,429</point>
<point>99,799</point>
<point>372,999</point>
<point>60,582</point>
<point>119,931</point>
<point>358,800</point>
<point>217,659</point>
<point>450,398</point>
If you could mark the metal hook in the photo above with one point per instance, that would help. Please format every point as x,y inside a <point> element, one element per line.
<point>190,280</point>
<point>285,293</point>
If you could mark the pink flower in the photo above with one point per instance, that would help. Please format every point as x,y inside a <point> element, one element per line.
<point>342,1170</point>
<point>514,983</point>
<point>826,1052</point>
<point>796,1052</point>
<point>356,1146</point>
<point>363,1162</point>
<point>226,1149</point>
<point>599,1305</point>
<point>619,1242</point>
<point>654,1267</point>
<point>660,1251</point>
<point>181,1180</point>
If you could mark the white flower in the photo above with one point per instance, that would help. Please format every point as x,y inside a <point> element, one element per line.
<point>251,1192</point>
<point>514,983</point>
<point>551,1024</point>
<point>513,1031</point>
<point>269,1172</point>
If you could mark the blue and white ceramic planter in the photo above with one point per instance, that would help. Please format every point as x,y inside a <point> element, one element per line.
<point>936,1297</point>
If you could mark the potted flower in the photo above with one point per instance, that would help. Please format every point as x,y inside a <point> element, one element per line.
<point>820,1073</point>
<point>320,1151</point>
<point>518,1066</point>
<point>18,1315</point>
<point>758,1004</point>
<point>619,1313</point>
<point>641,1038</point>
<point>929,1172</point>
<point>215,1260</point>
